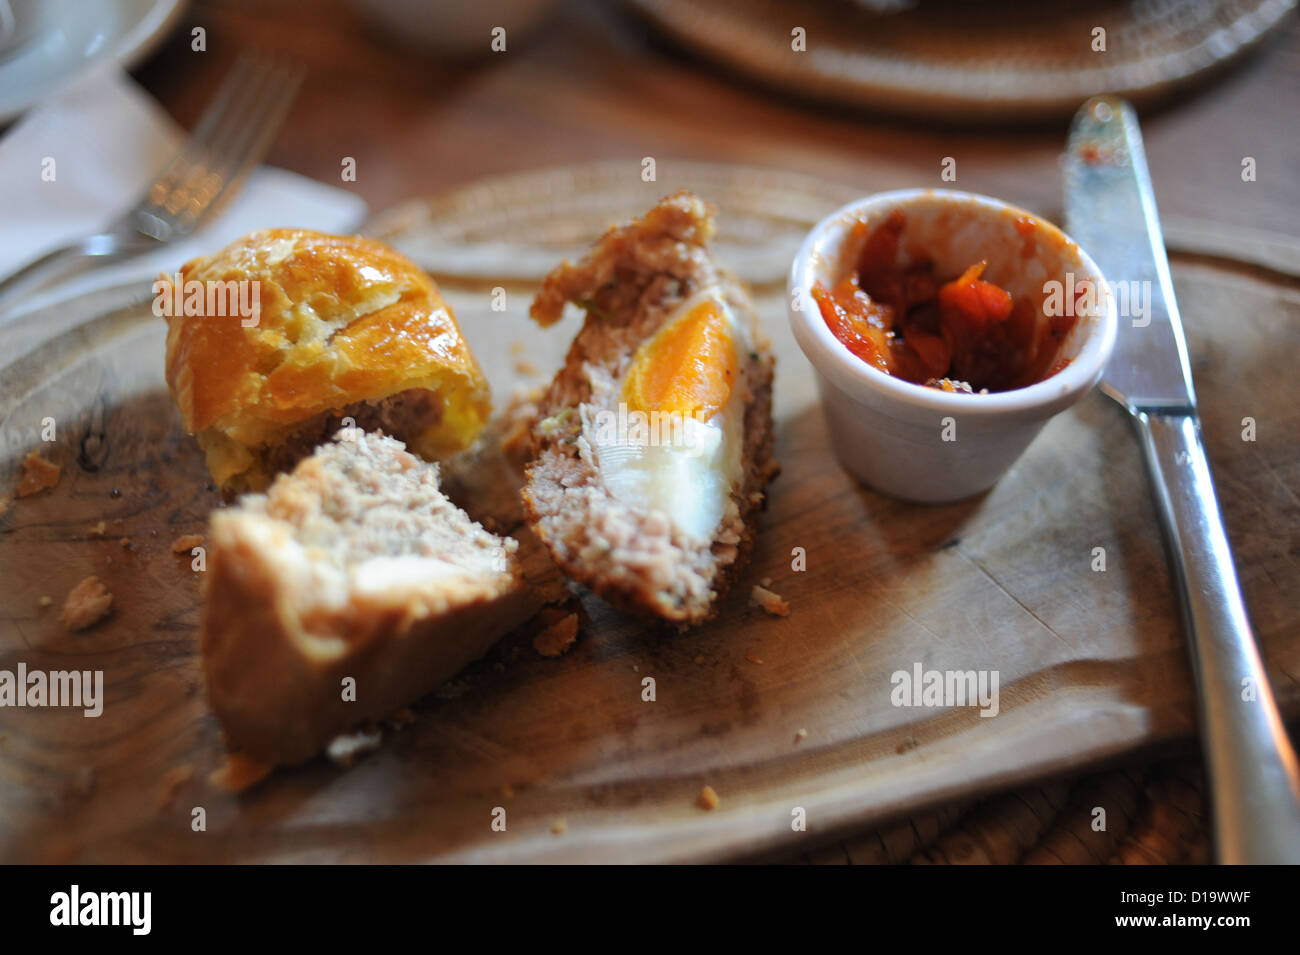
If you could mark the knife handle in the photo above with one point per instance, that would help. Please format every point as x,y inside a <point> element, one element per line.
<point>1252,767</point>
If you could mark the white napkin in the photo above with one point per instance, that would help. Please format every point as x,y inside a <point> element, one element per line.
<point>108,139</point>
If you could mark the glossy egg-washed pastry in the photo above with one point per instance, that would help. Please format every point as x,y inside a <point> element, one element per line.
<point>654,442</point>
<point>347,328</point>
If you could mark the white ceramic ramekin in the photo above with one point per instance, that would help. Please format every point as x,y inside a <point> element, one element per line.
<point>923,444</point>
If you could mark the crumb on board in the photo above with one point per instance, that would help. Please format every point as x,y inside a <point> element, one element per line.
<point>346,747</point>
<point>518,418</point>
<point>507,791</point>
<point>86,604</point>
<point>171,784</point>
<point>98,530</point>
<point>526,368</point>
<point>800,736</point>
<point>559,827</point>
<point>708,799</point>
<point>770,602</point>
<point>753,657</point>
<point>186,543</point>
<point>38,475</point>
<point>45,601</point>
<point>766,581</point>
<point>125,542</point>
<point>556,639</point>
<point>239,772</point>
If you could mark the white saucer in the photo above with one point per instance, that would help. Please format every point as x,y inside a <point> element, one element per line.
<point>70,35</point>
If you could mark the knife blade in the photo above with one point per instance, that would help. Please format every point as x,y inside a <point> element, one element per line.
<point>1111,212</point>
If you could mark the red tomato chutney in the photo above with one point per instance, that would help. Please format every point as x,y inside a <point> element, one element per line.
<point>964,334</point>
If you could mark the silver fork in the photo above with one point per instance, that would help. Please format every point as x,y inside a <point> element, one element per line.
<point>229,141</point>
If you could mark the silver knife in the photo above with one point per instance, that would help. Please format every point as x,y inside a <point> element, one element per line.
<point>1110,211</point>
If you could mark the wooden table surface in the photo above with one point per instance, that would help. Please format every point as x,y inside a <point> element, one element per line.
<point>594,83</point>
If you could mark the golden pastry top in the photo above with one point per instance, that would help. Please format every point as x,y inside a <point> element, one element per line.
<point>340,319</point>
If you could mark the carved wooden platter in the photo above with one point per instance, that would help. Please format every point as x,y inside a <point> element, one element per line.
<point>785,718</point>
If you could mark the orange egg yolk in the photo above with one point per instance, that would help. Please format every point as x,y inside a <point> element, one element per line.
<point>688,367</point>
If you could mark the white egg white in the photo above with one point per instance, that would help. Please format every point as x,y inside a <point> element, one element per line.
<point>674,464</point>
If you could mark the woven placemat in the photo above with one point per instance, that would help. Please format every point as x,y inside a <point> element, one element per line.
<point>1155,814</point>
<point>1002,59</point>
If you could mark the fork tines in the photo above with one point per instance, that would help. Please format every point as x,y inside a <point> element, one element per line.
<point>229,141</point>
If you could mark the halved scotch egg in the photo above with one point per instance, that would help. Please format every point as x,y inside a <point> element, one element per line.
<point>653,443</point>
<point>677,445</point>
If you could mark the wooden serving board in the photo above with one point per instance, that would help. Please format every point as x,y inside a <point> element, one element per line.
<point>775,714</point>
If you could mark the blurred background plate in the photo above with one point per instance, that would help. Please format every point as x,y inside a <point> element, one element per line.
<point>45,43</point>
<point>1002,59</point>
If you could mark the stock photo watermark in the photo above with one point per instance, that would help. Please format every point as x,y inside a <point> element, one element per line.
<point>945,688</point>
<point>77,908</point>
<point>236,298</point>
<point>633,428</point>
<point>72,689</point>
<point>1082,298</point>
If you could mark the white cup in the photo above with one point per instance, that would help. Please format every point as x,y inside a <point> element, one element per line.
<point>920,443</point>
<point>20,21</point>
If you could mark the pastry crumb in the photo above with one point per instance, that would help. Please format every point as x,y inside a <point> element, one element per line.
<point>45,601</point>
<point>559,827</point>
<point>770,602</point>
<point>186,543</point>
<point>507,791</point>
<point>556,639</point>
<point>239,772</point>
<point>801,736</point>
<point>518,418</point>
<point>526,368</point>
<point>86,604</point>
<point>708,799</point>
<point>752,657</point>
<point>99,530</point>
<point>171,784</point>
<point>38,475</point>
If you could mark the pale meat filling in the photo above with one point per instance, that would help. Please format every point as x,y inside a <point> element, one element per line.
<point>363,522</point>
